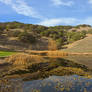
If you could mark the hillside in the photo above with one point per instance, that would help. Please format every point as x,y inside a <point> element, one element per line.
<point>16,36</point>
<point>80,46</point>
<point>14,44</point>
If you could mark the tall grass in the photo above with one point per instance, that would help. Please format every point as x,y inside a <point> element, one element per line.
<point>56,54</point>
<point>24,59</point>
<point>49,53</point>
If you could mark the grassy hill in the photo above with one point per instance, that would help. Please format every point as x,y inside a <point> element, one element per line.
<point>16,36</point>
<point>81,46</point>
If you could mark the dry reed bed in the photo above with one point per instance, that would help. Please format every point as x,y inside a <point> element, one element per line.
<point>48,53</point>
<point>25,63</point>
<point>56,53</point>
<point>69,71</point>
<point>24,59</point>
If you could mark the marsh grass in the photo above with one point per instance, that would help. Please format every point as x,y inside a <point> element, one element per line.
<point>23,59</point>
<point>56,54</point>
<point>50,53</point>
<point>61,71</point>
<point>42,67</point>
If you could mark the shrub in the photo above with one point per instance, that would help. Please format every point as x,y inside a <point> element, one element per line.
<point>60,42</point>
<point>74,36</point>
<point>89,31</point>
<point>14,33</point>
<point>27,37</point>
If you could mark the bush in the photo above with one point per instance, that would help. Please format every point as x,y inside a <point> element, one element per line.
<point>27,37</point>
<point>60,42</point>
<point>89,31</point>
<point>13,33</point>
<point>74,36</point>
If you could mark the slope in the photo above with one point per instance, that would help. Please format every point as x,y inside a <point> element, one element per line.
<point>81,46</point>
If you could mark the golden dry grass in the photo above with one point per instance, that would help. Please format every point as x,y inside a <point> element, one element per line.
<point>81,46</point>
<point>23,59</point>
<point>56,54</point>
<point>47,53</point>
<point>69,71</point>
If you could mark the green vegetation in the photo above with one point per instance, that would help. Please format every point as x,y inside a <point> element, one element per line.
<point>6,53</point>
<point>27,37</point>
<point>83,25</point>
<point>89,31</point>
<point>74,36</point>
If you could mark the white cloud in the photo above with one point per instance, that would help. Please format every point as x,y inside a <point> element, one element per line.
<point>23,8</point>
<point>66,21</point>
<point>61,2</point>
<point>58,21</point>
<point>90,1</point>
<point>86,21</point>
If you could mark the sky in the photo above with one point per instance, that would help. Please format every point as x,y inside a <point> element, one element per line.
<point>47,12</point>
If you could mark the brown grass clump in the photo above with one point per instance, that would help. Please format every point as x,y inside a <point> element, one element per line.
<point>68,71</point>
<point>24,59</point>
<point>56,54</point>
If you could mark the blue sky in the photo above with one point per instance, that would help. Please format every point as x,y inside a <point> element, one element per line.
<point>47,12</point>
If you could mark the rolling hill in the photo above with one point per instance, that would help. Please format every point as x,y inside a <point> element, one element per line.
<point>80,46</point>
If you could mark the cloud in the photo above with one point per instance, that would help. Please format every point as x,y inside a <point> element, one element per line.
<point>23,8</point>
<point>66,21</point>
<point>61,2</point>
<point>90,1</point>
<point>58,21</point>
<point>87,20</point>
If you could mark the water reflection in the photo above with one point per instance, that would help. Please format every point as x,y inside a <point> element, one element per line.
<point>52,84</point>
<point>12,85</point>
<point>81,59</point>
<point>60,84</point>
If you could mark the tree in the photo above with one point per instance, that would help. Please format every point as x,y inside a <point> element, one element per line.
<point>59,42</point>
<point>27,37</point>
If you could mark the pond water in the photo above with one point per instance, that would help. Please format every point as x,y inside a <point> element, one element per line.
<point>82,59</point>
<point>72,83</point>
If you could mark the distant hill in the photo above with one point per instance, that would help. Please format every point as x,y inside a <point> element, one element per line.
<point>81,46</point>
<point>81,28</point>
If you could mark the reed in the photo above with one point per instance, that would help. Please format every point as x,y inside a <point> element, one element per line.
<point>23,59</point>
<point>56,54</point>
<point>47,53</point>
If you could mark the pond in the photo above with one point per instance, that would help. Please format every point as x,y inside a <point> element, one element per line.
<point>72,83</point>
<point>82,59</point>
<point>52,82</point>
